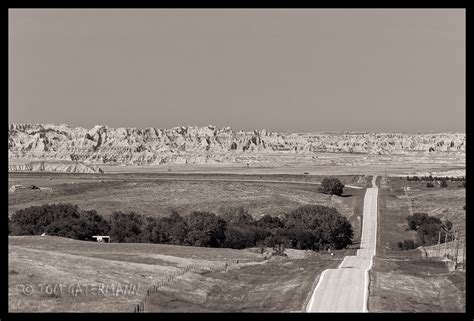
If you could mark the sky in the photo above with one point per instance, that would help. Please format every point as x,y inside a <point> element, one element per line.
<point>303,70</point>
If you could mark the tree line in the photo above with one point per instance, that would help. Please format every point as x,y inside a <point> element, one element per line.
<point>429,230</point>
<point>312,227</point>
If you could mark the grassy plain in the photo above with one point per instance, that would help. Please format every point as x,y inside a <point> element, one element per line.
<point>255,284</point>
<point>403,281</point>
<point>157,195</point>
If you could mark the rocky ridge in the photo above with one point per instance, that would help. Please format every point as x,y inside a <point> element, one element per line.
<point>204,145</point>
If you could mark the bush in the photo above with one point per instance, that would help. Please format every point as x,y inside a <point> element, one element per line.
<point>332,185</point>
<point>428,228</point>
<point>171,229</point>
<point>126,227</point>
<point>429,185</point>
<point>239,237</point>
<point>444,184</point>
<point>428,234</point>
<point>205,229</point>
<point>416,220</point>
<point>236,215</point>
<point>407,245</point>
<point>65,220</point>
<point>318,227</point>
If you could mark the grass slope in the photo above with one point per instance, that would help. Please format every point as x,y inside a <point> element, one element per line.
<point>255,284</point>
<point>403,281</point>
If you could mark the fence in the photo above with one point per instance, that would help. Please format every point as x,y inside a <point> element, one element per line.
<point>170,279</point>
<point>453,251</point>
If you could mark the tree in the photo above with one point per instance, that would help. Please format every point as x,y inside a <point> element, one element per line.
<point>239,237</point>
<point>126,227</point>
<point>205,229</point>
<point>92,224</point>
<point>34,220</point>
<point>321,226</point>
<point>171,229</point>
<point>65,220</point>
<point>332,185</point>
<point>428,233</point>
<point>236,215</point>
<point>416,220</point>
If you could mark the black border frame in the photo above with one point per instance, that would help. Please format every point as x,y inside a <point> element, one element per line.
<point>5,315</point>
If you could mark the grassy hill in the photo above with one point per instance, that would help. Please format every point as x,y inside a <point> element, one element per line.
<point>39,267</point>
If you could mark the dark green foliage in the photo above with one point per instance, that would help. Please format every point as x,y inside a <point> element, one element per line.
<point>332,185</point>
<point>429,185</point>
<point>444,184</point>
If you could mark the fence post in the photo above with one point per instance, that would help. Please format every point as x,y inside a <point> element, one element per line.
<point>464,255</point>
<point>439,243</point>
<point>446,244</point>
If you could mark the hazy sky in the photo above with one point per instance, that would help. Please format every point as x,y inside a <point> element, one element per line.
<point>280,69</point>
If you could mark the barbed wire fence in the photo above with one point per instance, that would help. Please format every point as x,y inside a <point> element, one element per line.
<point>144,305</point>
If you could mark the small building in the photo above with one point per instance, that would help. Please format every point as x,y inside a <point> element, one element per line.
<point>16,187</point>
<point>102,238</point>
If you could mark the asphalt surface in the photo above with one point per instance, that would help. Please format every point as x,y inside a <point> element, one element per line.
<point>345,289</point>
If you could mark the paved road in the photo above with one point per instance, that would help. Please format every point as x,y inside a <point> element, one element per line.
<point>345,289</point>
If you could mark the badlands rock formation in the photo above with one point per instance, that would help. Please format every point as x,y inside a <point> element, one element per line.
<point>84,148</point>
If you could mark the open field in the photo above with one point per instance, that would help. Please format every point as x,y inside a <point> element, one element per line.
<point>403,280</point>
<point>325,164</point>
<point>444,203</point>
<point>255,284</point>
<point>157,195</point>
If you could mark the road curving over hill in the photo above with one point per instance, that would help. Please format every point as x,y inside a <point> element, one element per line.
<point>345,289</point>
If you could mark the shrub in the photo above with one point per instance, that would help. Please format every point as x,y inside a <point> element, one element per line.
<point>172,229</point>
<point>205,229</point>
<point>236,215</point>
<point>427,227</point>
<point>332,185</point>
<point>126,227</point>
<point>407,245</point>
<point>35,219</point>
<point>239,237</point>
<point>444,184</point>
<point>428,234</point>
<point>318,227</point>
<point>429,185</point>
<point>418,219</point>
<point>65,220</point>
